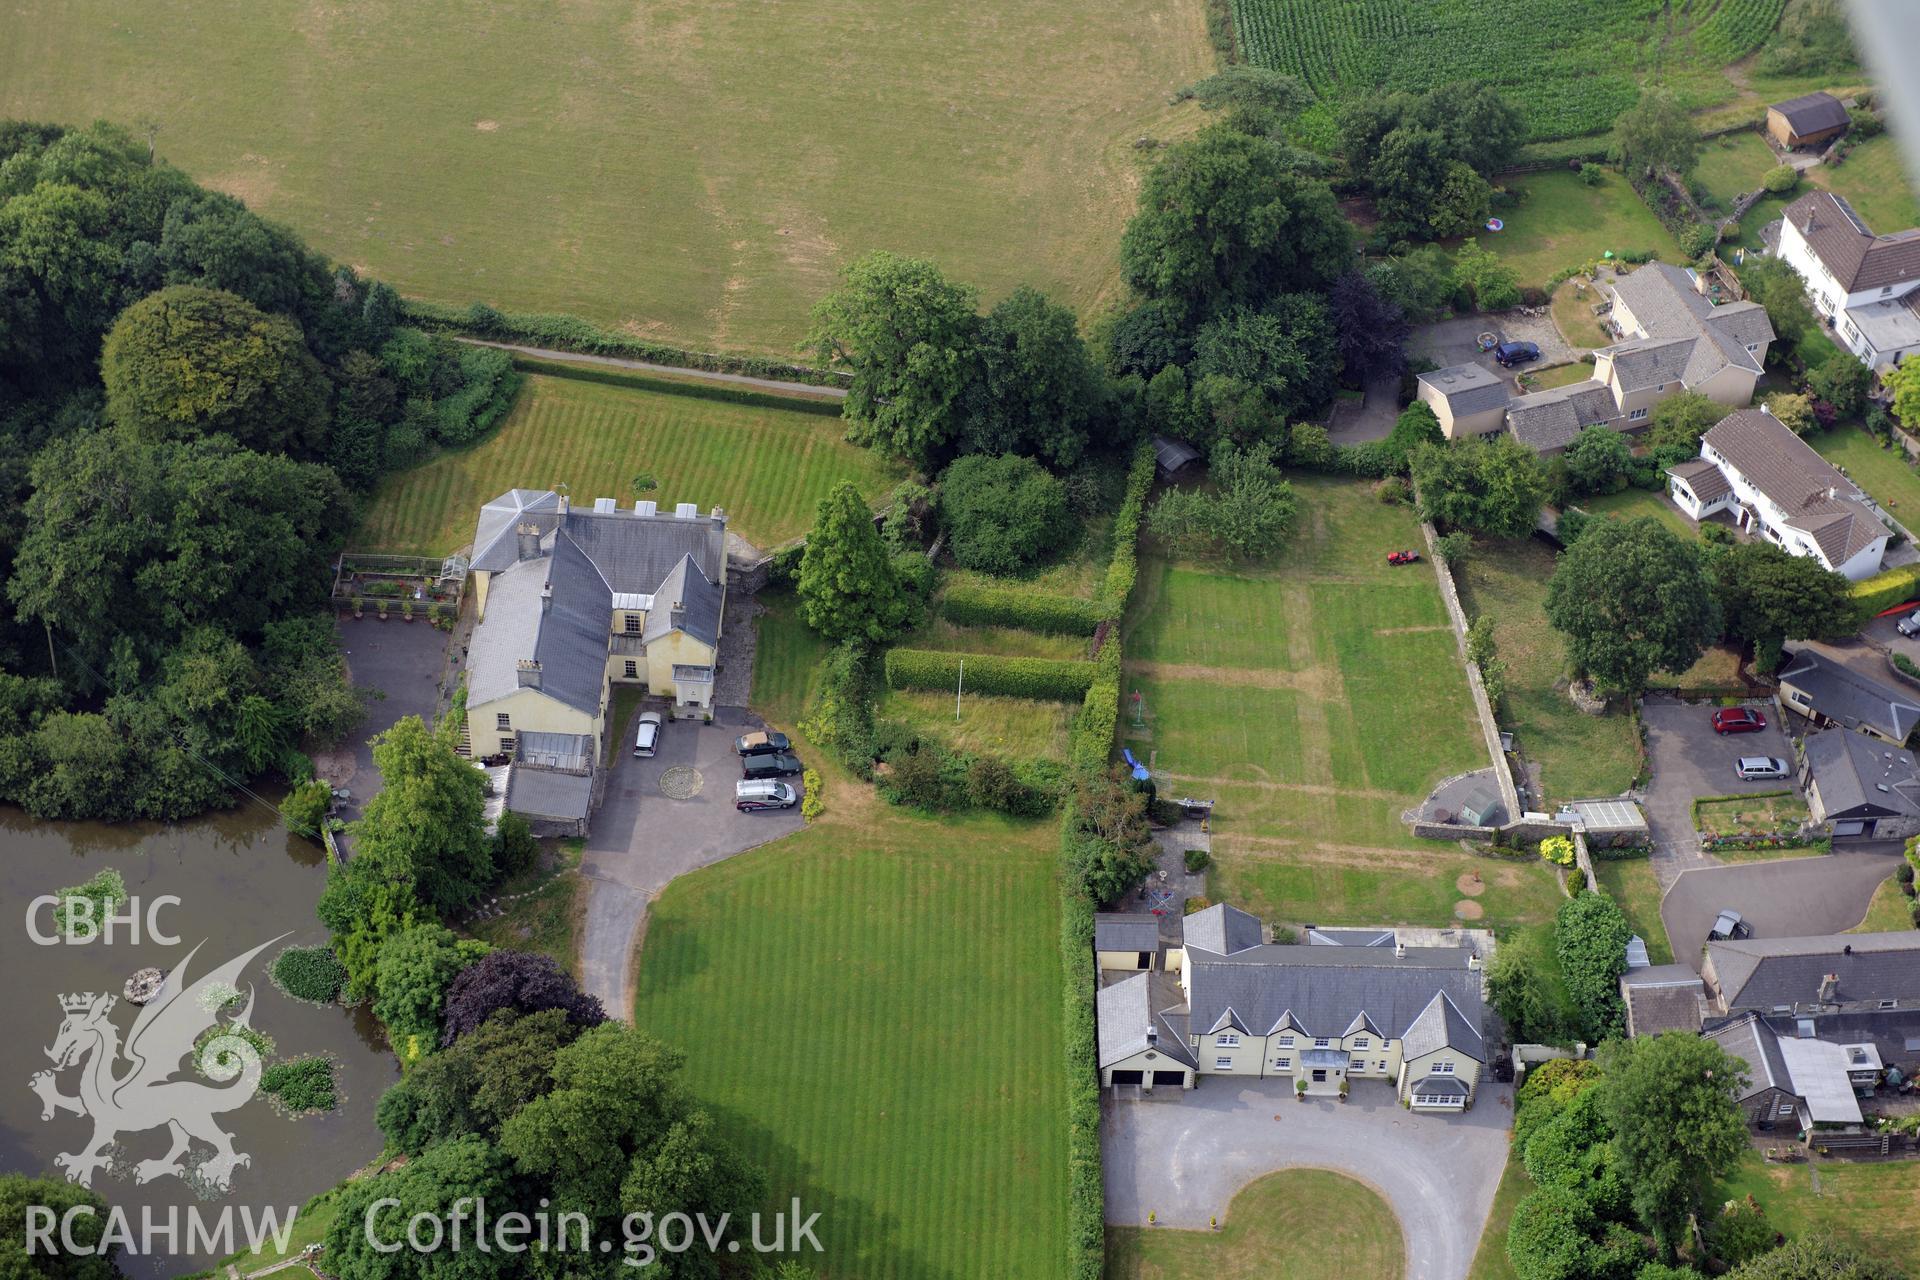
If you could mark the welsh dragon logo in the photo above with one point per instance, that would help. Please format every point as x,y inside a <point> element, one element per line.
<point>147,1096</point>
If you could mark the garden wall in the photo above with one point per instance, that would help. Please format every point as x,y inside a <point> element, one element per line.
<point>1482,706</point>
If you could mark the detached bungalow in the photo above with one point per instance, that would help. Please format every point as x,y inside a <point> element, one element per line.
<point>1776,486</point>
<point>1861,787</point>
<point>1829,692</point>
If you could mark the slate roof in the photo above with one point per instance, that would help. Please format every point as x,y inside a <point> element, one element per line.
<point>1812,112</point>
<point>1662,997</point>
<point>1851,697</point>
<point>1764,973</point>
<point>686,600</point>
<point>1852,254</point>
<point>1754,1043</point>
<point>1668,308</point>
<point>635,553</point>
<point>1467,388</point>
<point>543,793</point>
<point>1708,482</point>
<point>1439,1025</point>
<point>1221,929</point>
<point>495,544</point>
<point>1815,496</point>
<point>1548,420</point>
<point>569,640</point>
<point>1321,991</point>
<point>1349,937</point>
<point>1862,777</point>
<point>1128,1009</point>
<point>1126,931</point>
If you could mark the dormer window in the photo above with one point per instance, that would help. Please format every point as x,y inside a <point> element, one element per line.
<point>632,624</point>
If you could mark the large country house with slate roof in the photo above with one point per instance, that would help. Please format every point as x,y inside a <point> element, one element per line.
<point>571,602</point>
<point>1349,1005</point>
<point>1672,339</point>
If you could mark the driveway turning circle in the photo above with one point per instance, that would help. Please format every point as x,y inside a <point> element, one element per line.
<point>681,782</point>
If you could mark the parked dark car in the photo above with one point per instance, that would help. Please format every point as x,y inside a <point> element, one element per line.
<point>778,764</point>
<point>1728,925</point>
<point>1738,720</point>
<point>1510,354</point>
<point>763,743</point>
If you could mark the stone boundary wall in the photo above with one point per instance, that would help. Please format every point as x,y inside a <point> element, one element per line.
<point>1584,860</point>
<point>1482,706</point>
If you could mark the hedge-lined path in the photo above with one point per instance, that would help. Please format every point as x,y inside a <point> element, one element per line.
<point>804,390</point>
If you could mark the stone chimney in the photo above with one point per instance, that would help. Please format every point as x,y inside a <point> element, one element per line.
<point>1827,986</point>
<point>546,597</point>
<point>718,515</point>
<point>1399,948</point>
<point>527,535</point>
<point>528,672</point>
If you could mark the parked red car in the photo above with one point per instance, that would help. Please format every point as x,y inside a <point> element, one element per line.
<point>1738,720</point>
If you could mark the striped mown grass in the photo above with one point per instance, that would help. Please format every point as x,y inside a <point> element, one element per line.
<point>767,467</point>
<point>872,1008</point>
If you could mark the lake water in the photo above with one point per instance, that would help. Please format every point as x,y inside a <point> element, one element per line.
<point>241,881</point>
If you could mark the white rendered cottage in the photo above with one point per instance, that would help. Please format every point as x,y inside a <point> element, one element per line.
<point>1867,286</point>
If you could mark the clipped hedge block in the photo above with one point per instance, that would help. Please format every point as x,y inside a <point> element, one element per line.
<point>1045,679</point>
<point>970,604</point>
<point>1885,590</point>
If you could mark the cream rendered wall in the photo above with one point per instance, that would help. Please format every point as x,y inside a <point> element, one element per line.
<point>1124,961</point>
<point>1466,1069</point>
<point>1732,385</point>
<point>528,709</point>
<point>1248,1058</point>
<point>1149,1062</point>
<point>677,647</point>
<point>481,578</point>
<point>1473,424</point>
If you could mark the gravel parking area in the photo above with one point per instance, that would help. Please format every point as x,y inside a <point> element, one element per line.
<point>1182,1157</point>
<point>1451,342</point>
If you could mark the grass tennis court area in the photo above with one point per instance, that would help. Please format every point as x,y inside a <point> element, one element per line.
<point>838,993</point>
<point>767,466</point>
<point>1315,697</point>
<point>696,174</point>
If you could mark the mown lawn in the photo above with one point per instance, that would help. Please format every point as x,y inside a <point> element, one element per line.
<point>1562,222</point>
<point>1352,1232</point>
<point>1735,814</point>
<point>768,467</point>
<point>1870,1206</point>
<point>1732,165</point>
<point>1573,313</point>
<point>1889,911</point>
<point>1629,503</point>
<point>1874,180</point>
<point>938,633</point>
<point>1315,698</point>
<point>1632,883</point>
<point>696,173</point>
<point>1490,1260</point>
<point>987,723</point>
<point>1883,473</point>
<point>1580,756</point>
<point>1559,375</point>
<point>872,1008</point>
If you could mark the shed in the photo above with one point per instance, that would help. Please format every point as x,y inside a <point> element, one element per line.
<point>1807,121</point>
<point>1480,807</point>
<point>1171,455</point>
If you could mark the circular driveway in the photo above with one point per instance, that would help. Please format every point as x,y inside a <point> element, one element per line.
<point>1184,1158</point>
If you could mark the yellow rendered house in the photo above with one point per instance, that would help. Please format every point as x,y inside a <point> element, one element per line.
<point>1181,1000</point>
<point>569,602</point>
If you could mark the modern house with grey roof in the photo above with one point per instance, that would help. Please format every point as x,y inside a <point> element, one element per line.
<point>1832,973</point>
<point>1467,398</point>
<point>1776,487</point>
<point>1867,285</point>
<point>1348,1007</point>
<point>1796,1082</point>
<point>1832,686</point>
<point>569,602</point>
<point>1862,788</point>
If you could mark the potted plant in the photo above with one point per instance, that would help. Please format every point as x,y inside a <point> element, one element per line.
<point>406,610</point>
<point>1300,1090</point>
<point>1343,1091</point>
<point>383,609</point>
<point>359,607</point>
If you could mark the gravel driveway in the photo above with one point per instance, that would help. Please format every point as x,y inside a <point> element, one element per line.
<point>1455,341</point>
<point>1689,760</point>
<point>642,839</point>
<point>1184,1157</point>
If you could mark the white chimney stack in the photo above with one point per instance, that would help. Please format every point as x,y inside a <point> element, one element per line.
<point>687,511</point>
<point>646,507</point>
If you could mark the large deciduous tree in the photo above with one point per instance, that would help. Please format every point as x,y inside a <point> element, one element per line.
<point>848,587</point>
<point>411,978</point>
<point>517,980</point>
<point>1673,1103</point>
<point>1225,219</point>
<point>1037,390</point>
<point>1655,133</point>
<point>909,336</point>
<point>1286,350</point>
<point>188,362</point>
<point>426,817</point>
<point>375,1212</point>
<point>1817,1257</point>
<point>1678,422</point>
<point>1002,514</point>
<point>1493,487</point>
<point>1599,461</point>
<point>1632,597</point>
<point>1590,934</point>
<point>1371,330</point>
<point>1767,594</point>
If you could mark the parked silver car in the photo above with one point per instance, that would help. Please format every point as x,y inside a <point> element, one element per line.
<point>1753,768</point>
<point>1909,625</point>
<point>647,740</point>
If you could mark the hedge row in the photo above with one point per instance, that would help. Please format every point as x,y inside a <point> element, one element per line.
<point>1086,1179</point>
<point>978,605</point>
<point>1885,590</point>
<point>570,333</point>
<point>1047,679</point>
<point>692,390</point>
<point>1124,568</point>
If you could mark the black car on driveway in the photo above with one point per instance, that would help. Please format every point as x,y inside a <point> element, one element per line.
<point>778,764</point>
<point>763,742</point>
<point>1510,354</point>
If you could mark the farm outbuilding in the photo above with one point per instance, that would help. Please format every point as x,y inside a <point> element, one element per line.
<point>1806,121</point>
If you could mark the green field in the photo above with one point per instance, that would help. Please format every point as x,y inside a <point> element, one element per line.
<point>872,1008</point>
<point>1562,222</point>
<point>1875,182</point>
<point>1352,1232</point>
<point>768,467</point>
<point>1869,1206</point>
<point>1571,65</point>
<point>1315,698</point>
<point>691,173</point>
<point>938,633</point>
<point>1733,164</point>
<point>1883,473</point>
<point>1580,756</point>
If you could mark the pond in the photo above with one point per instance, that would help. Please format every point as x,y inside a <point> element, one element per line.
<point>241,882</point>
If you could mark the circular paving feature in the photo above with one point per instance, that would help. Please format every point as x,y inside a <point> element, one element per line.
<point>1468,909</point>
<point>680,783</point>
<point>1470,884</point>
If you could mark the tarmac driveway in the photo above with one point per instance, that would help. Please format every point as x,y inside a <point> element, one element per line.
<point>1784,898</point>
<point>642,839</point>
<point>1183,1157</point>
<point>1455,341</point>
<point>1690,760</point>
<point>404,662</point>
